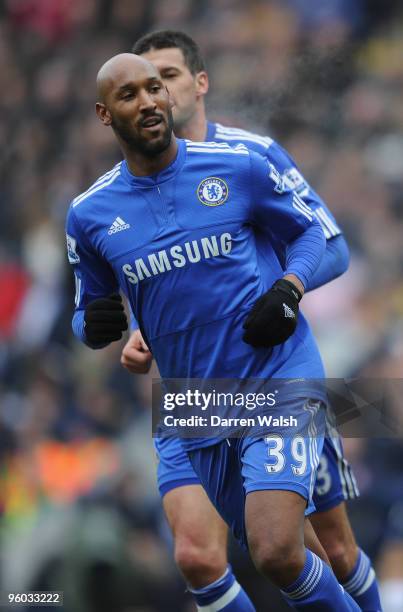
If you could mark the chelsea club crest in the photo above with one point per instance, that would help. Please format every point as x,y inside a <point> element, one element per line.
<point>212,191</point>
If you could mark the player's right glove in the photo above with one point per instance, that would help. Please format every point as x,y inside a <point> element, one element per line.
<point>273,317</point>
<point>104,320</point>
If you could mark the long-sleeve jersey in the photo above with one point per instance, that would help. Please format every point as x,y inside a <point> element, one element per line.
<point>182,246</point>
<point>336,257</point>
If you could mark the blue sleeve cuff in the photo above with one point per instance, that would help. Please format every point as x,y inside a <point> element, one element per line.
<point>78,325</point>
<point>304,254</point>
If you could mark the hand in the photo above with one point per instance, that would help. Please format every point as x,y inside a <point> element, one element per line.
<point>273,318</point>
<point>136,356</point>
<point>104,320</point>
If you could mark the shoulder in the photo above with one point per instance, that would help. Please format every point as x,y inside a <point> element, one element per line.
<point>264,145</point>
<point>215,148</point>
<point>233,136</point>
<point>214,157</point>
<point>100,188</point>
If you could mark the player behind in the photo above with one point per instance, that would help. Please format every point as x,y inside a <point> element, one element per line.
<point>171,260</point>
<point>201,552</point>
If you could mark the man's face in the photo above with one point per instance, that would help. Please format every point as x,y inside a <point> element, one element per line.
<point>139,109</point>
<point>184,87</point>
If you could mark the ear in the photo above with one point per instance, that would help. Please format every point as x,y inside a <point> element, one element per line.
<point>202,83</point>
<point>103,114</point>
<point>170,99</point>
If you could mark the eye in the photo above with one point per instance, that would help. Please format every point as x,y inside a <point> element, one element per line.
<point>169,76</point>
<point>155,88</point>
<point>127,96</point>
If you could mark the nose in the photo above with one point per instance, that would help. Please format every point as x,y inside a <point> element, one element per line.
<point>146,101</point>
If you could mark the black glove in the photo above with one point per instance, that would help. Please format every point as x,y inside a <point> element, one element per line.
<point>273,317</point>
<point>104,320</point>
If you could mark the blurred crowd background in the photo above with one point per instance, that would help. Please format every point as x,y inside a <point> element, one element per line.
<point>79,509</point>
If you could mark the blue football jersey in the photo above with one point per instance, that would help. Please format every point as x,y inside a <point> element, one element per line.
<point>291,177</point>
<point>181,245</point>
<point>284,163</point>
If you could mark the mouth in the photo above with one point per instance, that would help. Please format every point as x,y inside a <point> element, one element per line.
<point>151,122</point>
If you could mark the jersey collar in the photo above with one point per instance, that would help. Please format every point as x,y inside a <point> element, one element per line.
<point>160,177</point>
<point>210,135</point>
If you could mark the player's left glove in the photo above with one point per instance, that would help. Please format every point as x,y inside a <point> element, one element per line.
<point>273,317</point>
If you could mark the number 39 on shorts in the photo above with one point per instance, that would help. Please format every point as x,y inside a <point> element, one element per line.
<point>280,450</point>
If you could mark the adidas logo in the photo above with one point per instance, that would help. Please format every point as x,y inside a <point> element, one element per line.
<point>288,312</point>
<point>118,226</point>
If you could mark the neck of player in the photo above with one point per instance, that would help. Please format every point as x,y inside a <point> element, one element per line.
<point>195,129</point>
<point>144,165</point>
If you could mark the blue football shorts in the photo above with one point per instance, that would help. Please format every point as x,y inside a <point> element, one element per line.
<point>232,468</point>
<point>335,481</point>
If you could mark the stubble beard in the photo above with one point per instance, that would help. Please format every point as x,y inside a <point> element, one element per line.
<point>139,145</point>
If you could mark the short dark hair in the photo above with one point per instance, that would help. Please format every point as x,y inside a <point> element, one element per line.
<point>168,39</point>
